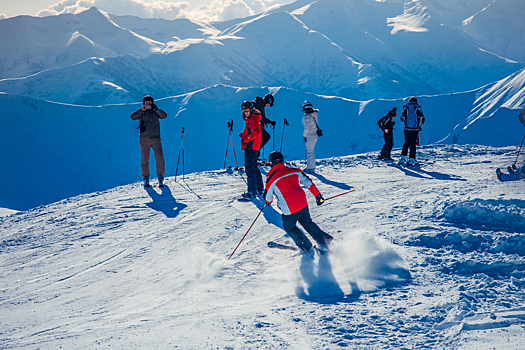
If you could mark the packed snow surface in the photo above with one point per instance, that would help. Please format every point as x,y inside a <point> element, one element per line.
<point>429,257</point>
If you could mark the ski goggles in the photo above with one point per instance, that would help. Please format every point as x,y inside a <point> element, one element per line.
<point>245,110</point>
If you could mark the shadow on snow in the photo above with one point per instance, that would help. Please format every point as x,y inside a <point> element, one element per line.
<point>164,202</point>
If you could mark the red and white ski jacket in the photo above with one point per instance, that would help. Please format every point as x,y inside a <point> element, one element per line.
<point>251,137</point>
<point>284,183</point>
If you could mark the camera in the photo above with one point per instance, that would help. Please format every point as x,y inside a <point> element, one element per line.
<point>147,106</point>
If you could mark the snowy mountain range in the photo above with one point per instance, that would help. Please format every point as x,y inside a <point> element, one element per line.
<point>350,48</point>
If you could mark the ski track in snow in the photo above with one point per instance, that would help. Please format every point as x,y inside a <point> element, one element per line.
<point>424,257</point>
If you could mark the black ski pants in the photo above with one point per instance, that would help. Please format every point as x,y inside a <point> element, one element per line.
<point>389,143</point>
<point>300,239</point>
<point>255,182</point>
<point>410,141</point>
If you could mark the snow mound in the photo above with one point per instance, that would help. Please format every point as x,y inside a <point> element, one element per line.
<point>490,215</point>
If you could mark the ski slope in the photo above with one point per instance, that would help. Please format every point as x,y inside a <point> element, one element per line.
<point>423,258</point>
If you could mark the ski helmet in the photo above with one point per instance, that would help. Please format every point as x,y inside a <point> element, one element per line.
<point>147,98</point>
<point>413,99</point>
<point>246,105</point>
<point>276,157</point>
<point>307,104</point>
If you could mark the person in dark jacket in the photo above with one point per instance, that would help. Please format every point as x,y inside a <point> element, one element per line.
<point>285,184</point>
<point>149,126</point>
<point>387,125</point>
<point>251,144</point>
<point>414,120</point>
<point>260,104</point>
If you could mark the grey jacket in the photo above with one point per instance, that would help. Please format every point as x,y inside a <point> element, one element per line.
<point>151,121</point>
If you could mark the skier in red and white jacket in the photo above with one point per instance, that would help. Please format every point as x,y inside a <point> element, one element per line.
<point>284,183</point>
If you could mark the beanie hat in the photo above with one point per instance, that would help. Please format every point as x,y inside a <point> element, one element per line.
<point>147,98</point>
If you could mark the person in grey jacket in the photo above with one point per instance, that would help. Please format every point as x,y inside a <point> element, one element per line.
<point>310,134</point>
<point>149,126</point>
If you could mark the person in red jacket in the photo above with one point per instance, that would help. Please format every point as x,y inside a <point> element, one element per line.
<point>251,139</point>
<point>284,183</point>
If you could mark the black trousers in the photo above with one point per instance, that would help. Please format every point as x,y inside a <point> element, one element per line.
<point>410,141</point>
<point>389,143</point>
<point>255,182</point>
<point>303,216</point>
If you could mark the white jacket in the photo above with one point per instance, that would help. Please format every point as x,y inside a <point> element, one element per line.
<point>310,126</point>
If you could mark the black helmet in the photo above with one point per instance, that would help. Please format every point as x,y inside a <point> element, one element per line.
<point>147,98</point>
<point>246,105</point>
<point>276,157</point>
<point>269,99</point>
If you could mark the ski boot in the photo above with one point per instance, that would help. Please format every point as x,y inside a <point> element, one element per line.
<point>403,160</point>
<point>146,182</point>
<point>498,174</point>
<point>247,197</point>
<point>161,181</point>
<point>412,161</point>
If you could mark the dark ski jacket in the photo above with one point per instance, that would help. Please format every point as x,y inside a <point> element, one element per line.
<point>260,104</point>
<point>387,121</point>
<point>251,137</point>
<point>149,119</point>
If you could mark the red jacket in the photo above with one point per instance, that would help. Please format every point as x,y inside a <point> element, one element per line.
<point>251,137</point>
<point>284,183</point>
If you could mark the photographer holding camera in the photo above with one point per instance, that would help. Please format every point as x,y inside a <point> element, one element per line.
<point>149,116</point>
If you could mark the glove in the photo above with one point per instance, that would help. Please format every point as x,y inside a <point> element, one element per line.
<point>272,122</point>
<point>304,139</point>
<point>319,199</point>
<point>154,107</point>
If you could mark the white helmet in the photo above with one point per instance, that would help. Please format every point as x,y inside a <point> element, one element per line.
<point>307,104</point>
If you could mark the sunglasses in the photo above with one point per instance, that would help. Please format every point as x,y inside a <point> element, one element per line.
<point>245,110</point>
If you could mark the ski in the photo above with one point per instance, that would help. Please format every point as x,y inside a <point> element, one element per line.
<point>281,246</point>
<point>229,170</point>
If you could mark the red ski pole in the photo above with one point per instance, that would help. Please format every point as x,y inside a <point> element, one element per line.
<point>352,190</point>
<point>247,231</point>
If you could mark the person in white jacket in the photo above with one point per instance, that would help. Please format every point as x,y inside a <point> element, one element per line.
<point>311,125</point>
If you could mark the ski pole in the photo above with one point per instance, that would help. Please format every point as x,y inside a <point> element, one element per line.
<point>341,194</point>
<point>233,147</point>
<point>228,142</point>
<point>519,150</point>
<point>248,230</point>
<point>282,136</point>
<point>273,127</point>
<point>178,158</point>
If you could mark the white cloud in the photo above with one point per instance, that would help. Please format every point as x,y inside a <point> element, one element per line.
<point>220,10</point>
<point>161,9</point>
<point>217,10</point>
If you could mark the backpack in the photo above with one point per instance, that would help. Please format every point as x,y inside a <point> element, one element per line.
<point>412,119</point>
